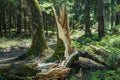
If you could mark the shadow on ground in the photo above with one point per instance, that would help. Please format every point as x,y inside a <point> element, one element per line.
<point>8,54</point>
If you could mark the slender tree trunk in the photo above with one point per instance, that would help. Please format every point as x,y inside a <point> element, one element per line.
<point>10,19</point>
<point>38,41</point>
<point>19,18</point>
<point>4,21</point>
<point>113,13</point>
<point>46,23</point>
<point>0,26</point>
<point>76,11</point>
<point>26,19</point>
<point>87,18</point>
<point>101,26</point>
<point>117,22</point>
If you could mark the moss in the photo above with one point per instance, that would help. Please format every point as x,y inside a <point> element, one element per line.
<point>5,68</point>
<point>28,78</point>
<point>38,41</point>
<point>59,52</point>
<point>26,70</point>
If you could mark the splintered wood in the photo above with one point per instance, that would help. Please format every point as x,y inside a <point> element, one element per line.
<point>63,30</point>
<point>51,71</point>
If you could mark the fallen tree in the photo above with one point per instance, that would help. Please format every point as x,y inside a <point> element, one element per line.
<point>99,51</point>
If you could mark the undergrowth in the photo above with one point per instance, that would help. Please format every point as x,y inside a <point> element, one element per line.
<point>111,44</point>
<point>105,75</point>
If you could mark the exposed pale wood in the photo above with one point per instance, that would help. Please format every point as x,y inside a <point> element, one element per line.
<point>59,72</point>
<point>71,59</point>
<point>63,30</point>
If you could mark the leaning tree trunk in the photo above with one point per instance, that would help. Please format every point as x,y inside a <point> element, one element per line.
<point>64,42</point>
<point>38,41</point>
<point>101,26</point>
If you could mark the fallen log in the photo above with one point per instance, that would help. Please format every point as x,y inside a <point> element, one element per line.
<point>92,57</point>
<point>99,51</point>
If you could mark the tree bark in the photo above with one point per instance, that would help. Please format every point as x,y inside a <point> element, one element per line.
<point>4,21</point>
<point>26,18</point>
<point>117,21</point>
<point>101,26</point>
<point>38,41</point>
<point>19,18</point>
<point>10,18</point>
<point>87,18</point>
<point>0,26</point>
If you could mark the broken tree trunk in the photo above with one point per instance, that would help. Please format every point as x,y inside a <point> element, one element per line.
<point>64,42</point>
<point>63,30</point>
<point>54,70</point>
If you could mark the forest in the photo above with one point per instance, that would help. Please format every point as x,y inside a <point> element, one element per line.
<point>59,39</point>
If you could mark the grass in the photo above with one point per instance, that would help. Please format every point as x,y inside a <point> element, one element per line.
<point>105,75</point>
<point>9,42</point>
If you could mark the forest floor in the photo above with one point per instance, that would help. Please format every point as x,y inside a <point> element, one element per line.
<point>10,48</point>
<point>13,52</point>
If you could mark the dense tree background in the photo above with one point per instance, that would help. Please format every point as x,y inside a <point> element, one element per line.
<point>87,14</point>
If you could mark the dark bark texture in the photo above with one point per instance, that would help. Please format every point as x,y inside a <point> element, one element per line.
<point>101,25</point>
<point>38,41</point>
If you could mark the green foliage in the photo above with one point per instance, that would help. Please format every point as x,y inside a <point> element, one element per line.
<point>114,59</point>
<point>73,78</point>
<point>116,29</point>
<point>117,8</point>
<point>111,41</point>
<point>2,78</point>
<point>28,78</point>
<point>105,75</point>
<point>47,7</point>
<point>75,44</point>
<point>112,45</point>
<point>85,40</point>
